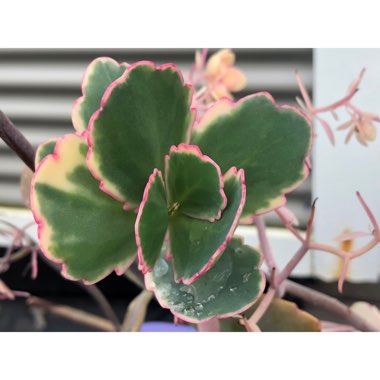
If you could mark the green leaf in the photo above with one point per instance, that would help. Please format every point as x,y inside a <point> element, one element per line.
<point>269,142</point>
<point>143,114</point>
<point>195,244</point>
<point>78,225</point>
<point>281,316</point>
<point>231,286</point>
<point>44,150</point>
<point>100,73</point>
<point>152,222</point>
<point>194,183</point>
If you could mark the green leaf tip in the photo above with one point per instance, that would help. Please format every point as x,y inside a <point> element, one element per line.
<point>100,73</point>
<point>194,183</point>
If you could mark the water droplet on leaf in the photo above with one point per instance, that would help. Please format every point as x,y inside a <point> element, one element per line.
<point>161,268</point>
<point>189,311</point>
<point>179,307</point>
<point>198,307</point>
<point>165,289</point>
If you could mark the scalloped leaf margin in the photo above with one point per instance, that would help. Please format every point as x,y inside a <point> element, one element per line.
<point>227,139</point>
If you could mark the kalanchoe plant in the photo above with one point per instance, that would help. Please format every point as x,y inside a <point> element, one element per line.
<point>160,171</point>
<point>140,176</point>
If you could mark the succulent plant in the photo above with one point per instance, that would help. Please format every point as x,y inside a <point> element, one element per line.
<point>142,175</point>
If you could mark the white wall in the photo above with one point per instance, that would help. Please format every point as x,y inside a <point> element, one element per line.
<point>338,172</point>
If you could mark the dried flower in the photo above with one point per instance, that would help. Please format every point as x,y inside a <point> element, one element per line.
<point>362,126</point>
<point>222,76</point>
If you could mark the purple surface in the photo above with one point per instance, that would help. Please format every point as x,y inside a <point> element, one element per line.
<point>165,327</point>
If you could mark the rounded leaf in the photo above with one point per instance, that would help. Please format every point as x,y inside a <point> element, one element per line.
<point>78,225</point>
<point>271,143</point>
<point>100,73</point>
<point>142,115</point>
<point>231,286</point>
<point>195,244</point>
<point>194,183</point>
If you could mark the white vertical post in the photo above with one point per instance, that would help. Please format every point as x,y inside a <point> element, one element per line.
<point>340,171</point>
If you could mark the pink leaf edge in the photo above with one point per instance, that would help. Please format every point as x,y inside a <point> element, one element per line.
<point>163,303</point>
<point>88,72</point>
<point>231,172</point>
<point>142,264</point>
<point>41,221</point>
<point>106,95</point>
<point>232,105</point>
<point>194,149</point>
<point>36,163</point>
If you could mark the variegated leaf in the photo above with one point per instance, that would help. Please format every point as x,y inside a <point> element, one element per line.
<point>100,73</point>
<point>269,142</point>
<point>142,115</point>
<point>231,286</point>
<point>78,225</point>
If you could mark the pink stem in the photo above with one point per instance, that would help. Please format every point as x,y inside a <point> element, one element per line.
<point>264,243</point>
<point>263,307</point>
<point>335,105</point>
<point>342,275</point>
<point>343,254</point>
<point>369,213</point>
<point>284,274</point>
<point>304,92</point>
<point>250,326</point>
<point>289,226</point>
<point>34,263</point>
<point>327,303</point>
<point>200,72</point>
<point>210,326</point>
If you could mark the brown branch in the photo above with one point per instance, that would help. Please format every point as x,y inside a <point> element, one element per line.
<point>103,303</point>
<point>93,291</point>
<point>72,314</point>
<point>16,141</point>
<point>327,303</point>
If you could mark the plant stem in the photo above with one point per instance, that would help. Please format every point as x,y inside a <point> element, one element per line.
<point>103,303</point>
<point>263,307</point>
<point>134,279</point>
<point>136,312</point>
<point>264,243</point>
<point>327,303</point>
<point>291,265</point>
<point>72,314</point>
<point>212,325</point>
<point>93,291</point>
<point>16,141</point>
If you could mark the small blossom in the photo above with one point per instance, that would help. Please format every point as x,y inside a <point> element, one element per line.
<point>362,126</point>
<point>222,76</point>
